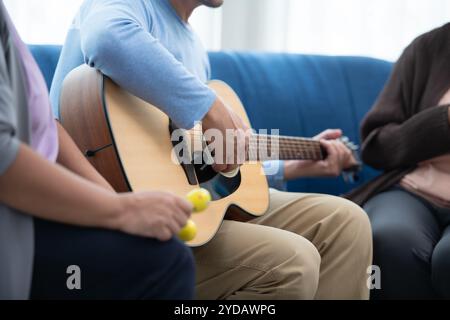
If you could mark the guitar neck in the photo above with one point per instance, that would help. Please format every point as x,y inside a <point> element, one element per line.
<point>270,147</point>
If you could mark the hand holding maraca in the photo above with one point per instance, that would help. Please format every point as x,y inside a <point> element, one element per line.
<point>200,199</point>
<point>152,214</point>
<point>158,215</point>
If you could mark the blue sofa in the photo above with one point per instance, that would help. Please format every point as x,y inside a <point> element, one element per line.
<point>299,94</point>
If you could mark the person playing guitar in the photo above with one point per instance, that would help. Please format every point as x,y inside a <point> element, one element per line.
<point>306,246</point>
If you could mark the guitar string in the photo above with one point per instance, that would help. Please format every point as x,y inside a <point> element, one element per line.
<point>255,153</point>
<point>279,140</point>
<point>285,140</point>
<point>293,141</point>
<point>284,144</point>
<point>261,136</point>
<point>258,145</point>
<point>290,147</point>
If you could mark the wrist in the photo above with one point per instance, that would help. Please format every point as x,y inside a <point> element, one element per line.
<point>294,169</point>
<point>117,210</point>
<point>214,115</point>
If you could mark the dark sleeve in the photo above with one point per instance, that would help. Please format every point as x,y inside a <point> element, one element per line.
<point>393,135</point>
<point>9,143</point>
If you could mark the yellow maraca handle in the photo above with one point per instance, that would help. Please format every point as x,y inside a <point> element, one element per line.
<point>200,199</point>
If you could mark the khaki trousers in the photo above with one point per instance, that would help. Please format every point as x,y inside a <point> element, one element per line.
<point>307,246</point>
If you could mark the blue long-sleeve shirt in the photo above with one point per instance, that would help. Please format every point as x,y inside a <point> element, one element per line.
<point>274,171</point>
<point>146,48</point>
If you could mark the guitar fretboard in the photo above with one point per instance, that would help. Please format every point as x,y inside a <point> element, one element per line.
<point>266,147</point>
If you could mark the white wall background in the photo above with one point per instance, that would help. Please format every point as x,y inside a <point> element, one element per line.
<point>378,28</point>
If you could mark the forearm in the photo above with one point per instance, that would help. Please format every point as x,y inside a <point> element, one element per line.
<point>294,169</point>
<point>71,158</point>
<point>423,136</point>
<point>45,190</point>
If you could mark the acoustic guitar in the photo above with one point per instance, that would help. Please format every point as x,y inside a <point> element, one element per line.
<point>129,141</point>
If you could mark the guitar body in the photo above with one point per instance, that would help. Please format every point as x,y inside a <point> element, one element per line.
<point>129,142</point>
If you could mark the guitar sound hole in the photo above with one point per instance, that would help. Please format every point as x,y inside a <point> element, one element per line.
<point>218,185</point>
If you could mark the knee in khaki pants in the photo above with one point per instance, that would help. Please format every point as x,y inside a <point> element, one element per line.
<point>341,232</point>
<point>266,263</point>
<point>345,245</point>
<point>306,246</point>
<point>294,265</point>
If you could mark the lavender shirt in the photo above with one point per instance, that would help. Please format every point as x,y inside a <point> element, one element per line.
<point>44,134</point>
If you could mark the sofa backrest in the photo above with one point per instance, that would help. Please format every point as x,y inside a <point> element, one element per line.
<point>47,58</point>
<point>300,95</point>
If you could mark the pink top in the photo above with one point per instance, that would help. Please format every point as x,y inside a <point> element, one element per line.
<point>431,181</point>
<point>44,134</point>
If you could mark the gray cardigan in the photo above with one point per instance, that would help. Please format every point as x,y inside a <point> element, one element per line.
<point>16,229</point>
